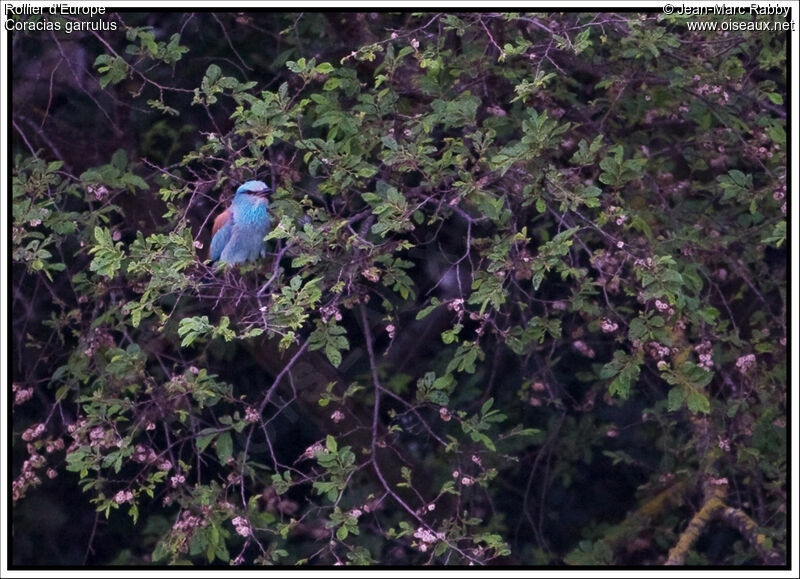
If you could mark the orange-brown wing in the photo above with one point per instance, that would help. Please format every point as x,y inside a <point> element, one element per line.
<point>220,234</point>
<point>220,220</point>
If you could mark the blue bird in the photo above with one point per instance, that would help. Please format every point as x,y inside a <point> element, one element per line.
<point>238,233</point>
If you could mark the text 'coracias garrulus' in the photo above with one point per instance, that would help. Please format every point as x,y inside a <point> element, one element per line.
<point>239,231</point>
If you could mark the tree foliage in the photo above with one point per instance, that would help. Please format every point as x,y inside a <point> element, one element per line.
<point>524,300</point>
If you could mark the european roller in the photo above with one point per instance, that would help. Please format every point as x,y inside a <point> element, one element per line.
<point>238,233</point>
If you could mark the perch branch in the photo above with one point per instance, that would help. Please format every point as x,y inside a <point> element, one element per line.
<point>713,504</point>
<point>740,521</point>
<point>715,508</point>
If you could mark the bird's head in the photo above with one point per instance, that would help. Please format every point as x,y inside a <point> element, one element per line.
<point>257,187</point>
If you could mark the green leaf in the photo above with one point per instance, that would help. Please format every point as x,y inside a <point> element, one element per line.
<point>108,256</point>
<point>443,382</point>
<point>282,484</point>
<point>341,533</point>
<point>119,159</point>
<point>203,440</point>
<point>778,235</point>
<point>334,355</point>
<point>112,69</point>
<point>487,442</point>
<point>626,368</point>
<point>675,398</point>
<point>428,309</point>
<point>330,444</point>
<point>224,447</point>
<point>775,97</point>
<point>332,338</point>
<point>698,402</point>
<point>465,358</point>
<point>190,329</point>
<point>438,397</point>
